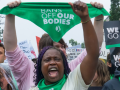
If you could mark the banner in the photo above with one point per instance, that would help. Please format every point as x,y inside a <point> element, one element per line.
<point>112,34</point>
<point>115,56</point>
<point>54,18</point>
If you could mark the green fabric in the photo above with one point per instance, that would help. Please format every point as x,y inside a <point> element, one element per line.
<point>56,86</point>
<point>111,76</point>
<point>54,18</point>
<point>0,88</point>
<point>111,46</point>
<point>15,82</point>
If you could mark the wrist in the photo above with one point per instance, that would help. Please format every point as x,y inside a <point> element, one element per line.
<point>84,19</point>
<point>98,18</point>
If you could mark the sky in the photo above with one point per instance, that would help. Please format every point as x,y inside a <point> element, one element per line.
<point>26,30</point>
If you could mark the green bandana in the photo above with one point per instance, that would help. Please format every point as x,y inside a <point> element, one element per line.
<point>54,18</point>
<point>56,86</point>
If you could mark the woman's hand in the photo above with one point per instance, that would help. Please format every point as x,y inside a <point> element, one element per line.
<point>80,8</point>
<point>96,4</point>
<point>14,4</point>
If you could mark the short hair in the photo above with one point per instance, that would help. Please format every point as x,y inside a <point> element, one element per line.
<point>1,45</point>
<point>102,73</point>
<point>47,41</point>
<point>38,73</point>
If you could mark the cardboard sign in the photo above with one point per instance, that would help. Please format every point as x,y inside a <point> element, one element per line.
<point>112,34</point>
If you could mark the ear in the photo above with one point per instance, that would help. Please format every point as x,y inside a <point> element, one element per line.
<point>109,64</point>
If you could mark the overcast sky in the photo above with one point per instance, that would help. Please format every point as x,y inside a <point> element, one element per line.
<point>26,30</point>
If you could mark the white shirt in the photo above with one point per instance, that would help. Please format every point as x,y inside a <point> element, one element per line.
<point>73,82</point>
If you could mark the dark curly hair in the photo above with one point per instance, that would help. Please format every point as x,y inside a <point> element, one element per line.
<point>38,73</point>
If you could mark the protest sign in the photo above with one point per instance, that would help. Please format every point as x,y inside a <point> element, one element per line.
<point>54,18</point>
<point>112,34</point>
<point>73,53</point>
<point>24,46</point>
<point>115,56</point>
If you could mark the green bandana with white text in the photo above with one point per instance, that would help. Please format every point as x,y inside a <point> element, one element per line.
<point>53,17</point>
<point>55,86</point>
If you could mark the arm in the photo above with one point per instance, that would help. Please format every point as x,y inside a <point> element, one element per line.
<point>9,35</point>
<point>98,23</point>
<point>98,26</point>
<point>20,65</point>
<point>89,64</point>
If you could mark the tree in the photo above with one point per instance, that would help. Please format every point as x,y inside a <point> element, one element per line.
<point>114,10</point>
<point>73,43</point>
<point>83,45</point>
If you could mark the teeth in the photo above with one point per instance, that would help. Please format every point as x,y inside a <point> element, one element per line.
<point>53,69</point>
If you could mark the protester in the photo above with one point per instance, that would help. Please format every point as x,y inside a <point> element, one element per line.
<point>113,84</point>
<point>7,80</point>
<point>52,71</point>
<point>101,76</point>
<point>16,58</point>
<point>2,53</point>
<point>111,66</point>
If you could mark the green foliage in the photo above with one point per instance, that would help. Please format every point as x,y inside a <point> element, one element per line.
<point>115,10</point>
<point>73,43</point>
<point>83,45</point>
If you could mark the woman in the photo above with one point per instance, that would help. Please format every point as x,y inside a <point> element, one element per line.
<point>101,76</point>
<point>52,71</point>
<point>7,81</point>
<point>19,61</point>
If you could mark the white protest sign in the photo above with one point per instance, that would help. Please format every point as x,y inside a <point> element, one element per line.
<point>73,53</point>
<point>104,52</point>
<point>24,46</point>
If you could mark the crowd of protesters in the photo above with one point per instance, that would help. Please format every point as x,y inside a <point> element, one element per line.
<point>51,71</point>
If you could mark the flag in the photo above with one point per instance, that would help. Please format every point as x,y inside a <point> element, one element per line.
<point>37,39</point>
<point>33,55</point>
<point>53,17</point>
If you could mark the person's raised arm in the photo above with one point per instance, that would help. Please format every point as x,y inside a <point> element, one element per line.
<point>89,64</point>
<point>9,35</point>
<point>98,23</point>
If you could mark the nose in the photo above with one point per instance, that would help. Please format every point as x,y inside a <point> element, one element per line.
<point>52,62</point>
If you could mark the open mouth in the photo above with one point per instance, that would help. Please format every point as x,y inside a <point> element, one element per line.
<point>53,72</point>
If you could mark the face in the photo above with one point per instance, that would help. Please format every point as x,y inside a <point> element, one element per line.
<point>2,55</point>
<point>52,66</point>
<point>4,83</point>
<point>60,46</point>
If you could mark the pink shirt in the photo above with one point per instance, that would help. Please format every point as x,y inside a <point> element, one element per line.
<point>22,67</point>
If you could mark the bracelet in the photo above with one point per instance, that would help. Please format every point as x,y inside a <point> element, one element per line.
<point>85,21</point>
<point>99,20</point>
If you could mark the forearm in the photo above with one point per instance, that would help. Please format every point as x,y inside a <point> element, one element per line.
<point>98,25</point>
<point>90,38</point>
<point>9,35</point>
